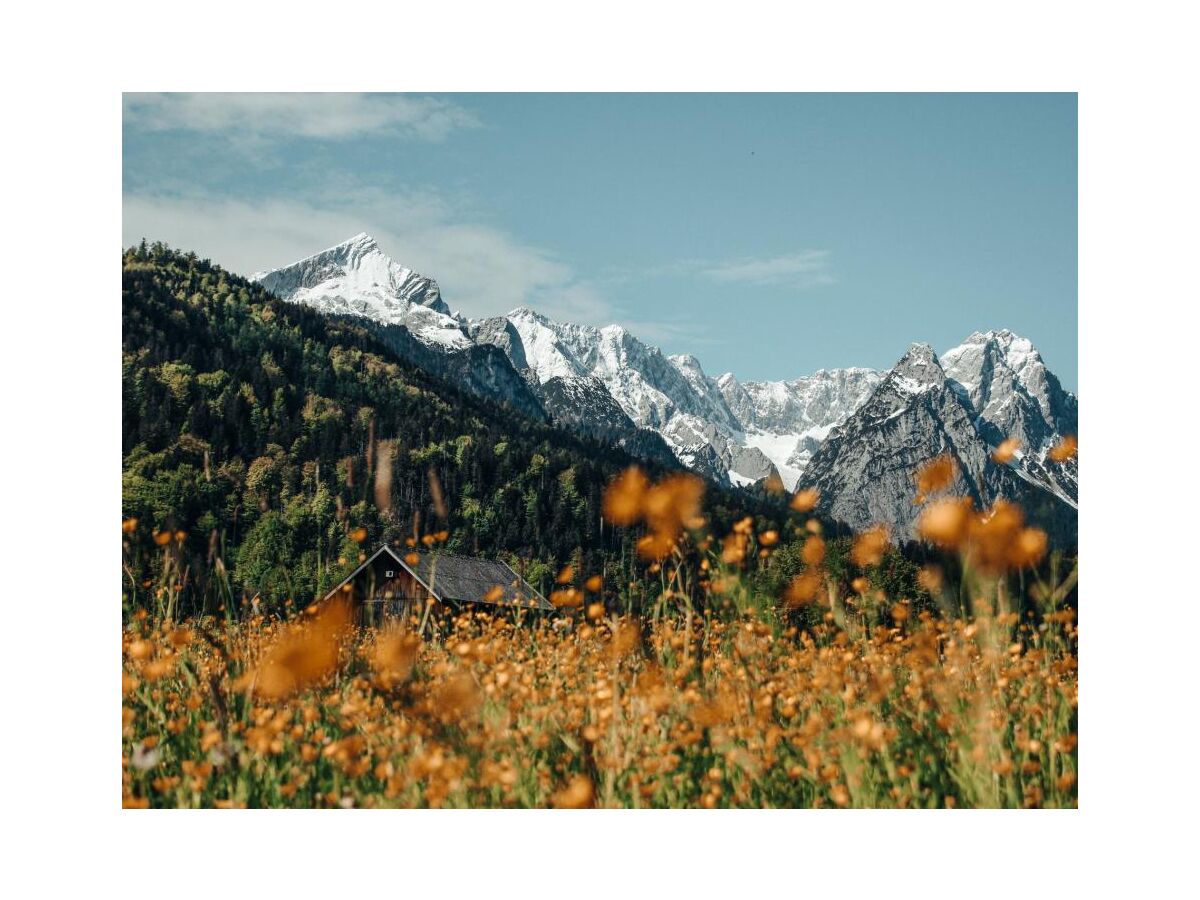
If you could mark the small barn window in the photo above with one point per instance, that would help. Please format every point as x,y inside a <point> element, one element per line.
<point>390,573</point>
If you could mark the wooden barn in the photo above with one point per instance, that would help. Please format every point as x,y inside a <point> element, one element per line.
<point>390,584</point>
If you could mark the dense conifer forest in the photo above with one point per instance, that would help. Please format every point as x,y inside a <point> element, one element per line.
<point>254,431</point>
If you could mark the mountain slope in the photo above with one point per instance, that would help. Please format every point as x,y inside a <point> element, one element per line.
<point>604,384</point>
<point>864,470</point>
<point>788,420</point>
<point>1014,395</point>
<point>256,428</point>
<point>669,408</point>
<point>670,397</point>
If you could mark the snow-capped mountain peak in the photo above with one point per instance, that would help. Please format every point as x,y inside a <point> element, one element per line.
<point>1003,377</point>
<point>963,404</point>
<point>918,371</point>
<point>357,278</point>
<point>524,312</point>
<point>828,428</point>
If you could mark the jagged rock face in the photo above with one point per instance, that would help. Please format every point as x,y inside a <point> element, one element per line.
<point>825,398</point>
<point>357,278</point>
<point>1011,390</point>
<point>672,398</point>
<point>640,378</point>
<point>788,420</point>
<point>500,332</point>
<point>583,405</point>
<point>706,461</point>
<point>1014,395</point>
<point>713,405</point>
<point>856,434</point>
<point>698,442</point>
<point>865,469</point>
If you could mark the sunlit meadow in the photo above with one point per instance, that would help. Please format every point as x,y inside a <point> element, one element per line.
<point>711,695</point>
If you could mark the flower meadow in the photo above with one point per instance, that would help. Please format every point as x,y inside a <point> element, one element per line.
<point>713,694</point>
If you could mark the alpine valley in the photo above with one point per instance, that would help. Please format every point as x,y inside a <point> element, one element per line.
<point>855,434</point>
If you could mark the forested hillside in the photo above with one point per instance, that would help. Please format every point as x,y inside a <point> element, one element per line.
<point>254,432</point>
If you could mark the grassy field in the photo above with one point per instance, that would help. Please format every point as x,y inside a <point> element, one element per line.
<point>746,712</point>
<point>818,698</point>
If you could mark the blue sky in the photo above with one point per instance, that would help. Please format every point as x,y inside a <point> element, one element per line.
<point>769,235</point>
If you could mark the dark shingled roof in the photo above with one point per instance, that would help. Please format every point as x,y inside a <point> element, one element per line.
<point>462,579</point>
<point>468,580</point>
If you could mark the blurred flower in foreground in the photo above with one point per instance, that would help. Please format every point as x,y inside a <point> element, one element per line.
<point>393,655</point>
<point>458,698</point>
<point>1004,453</point>
<point>993,541</point>
<point>1028,548</point>
<point>813,552</point>
<point>568,598</point>
<point>806,500</point>
<point>623,498</point>
<point>999,540</point>
<point>1064,449</point>
<point>931,579</point>
<point>667,508</point>
<point>578,794</point>
<point>803,589</point>
<point>306,653</point>
<point>944,523</point>
<point>937,474</point>
<point>869,546</point>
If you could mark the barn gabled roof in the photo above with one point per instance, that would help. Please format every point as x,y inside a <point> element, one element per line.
<point>370,559</point>
<point>468,579</point>
<point>461,579</point>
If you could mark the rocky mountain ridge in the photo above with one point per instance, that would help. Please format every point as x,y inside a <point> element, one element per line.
<point>855,433</point>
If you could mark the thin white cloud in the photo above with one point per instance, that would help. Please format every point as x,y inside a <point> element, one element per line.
<point>481,269</point>
<point>316,116</point>
<point>806,268</point>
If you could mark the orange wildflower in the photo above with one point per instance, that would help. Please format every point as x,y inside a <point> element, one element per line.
<point>567,599</point>
<point>578,794</point>
<point>869,546</point>
<point>305,654</point>
<point>813,553</point>
<point>1065,449</point>
<point>624,497</point>
<point>937,474</point>
<point>945,522</point>
<point>806,500</point>
<point>1004,453</point>
<point>803,589</point>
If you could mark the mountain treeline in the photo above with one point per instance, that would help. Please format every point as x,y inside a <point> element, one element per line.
<point>254,432</point>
